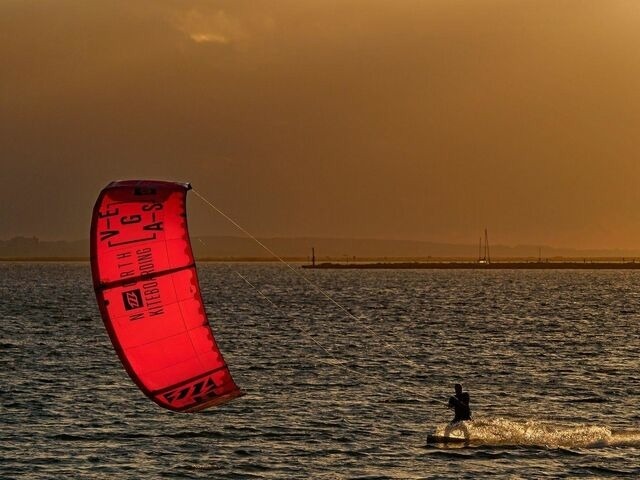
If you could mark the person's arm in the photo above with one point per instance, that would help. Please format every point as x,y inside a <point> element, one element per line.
<point>453,400</point>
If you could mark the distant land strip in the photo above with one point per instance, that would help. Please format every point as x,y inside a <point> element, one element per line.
<point>326,250</point>
<point>199,259</point>
<point>400,263</point>
<point>586,264</point>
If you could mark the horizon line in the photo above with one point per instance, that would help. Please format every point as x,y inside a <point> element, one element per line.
<point>363,239</point>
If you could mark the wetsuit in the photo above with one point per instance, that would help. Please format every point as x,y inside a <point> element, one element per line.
<point>460,404</point>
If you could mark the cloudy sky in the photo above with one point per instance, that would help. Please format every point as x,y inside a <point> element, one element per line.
<point>412,119</point>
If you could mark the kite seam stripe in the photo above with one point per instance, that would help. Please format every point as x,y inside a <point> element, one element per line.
<point>146,276</point>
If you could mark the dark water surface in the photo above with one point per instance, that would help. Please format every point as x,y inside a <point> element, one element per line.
<point>550,358</point>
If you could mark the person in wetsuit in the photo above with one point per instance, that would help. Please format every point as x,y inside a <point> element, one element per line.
<point>460,404</point>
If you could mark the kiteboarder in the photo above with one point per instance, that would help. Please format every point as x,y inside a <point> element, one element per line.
<point>460,404</point>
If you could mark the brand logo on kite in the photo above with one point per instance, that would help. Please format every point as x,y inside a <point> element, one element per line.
<point>194,393</point>
<point>132,299</point>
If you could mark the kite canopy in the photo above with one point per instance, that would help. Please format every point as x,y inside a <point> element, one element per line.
<point>149,297</point>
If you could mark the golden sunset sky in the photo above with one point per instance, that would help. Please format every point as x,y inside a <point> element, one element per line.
<point>423,120</point>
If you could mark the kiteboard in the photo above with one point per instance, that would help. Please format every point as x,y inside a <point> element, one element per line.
<point>434,439</point>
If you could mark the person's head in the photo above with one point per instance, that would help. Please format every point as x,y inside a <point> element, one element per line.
<point>458,388</point>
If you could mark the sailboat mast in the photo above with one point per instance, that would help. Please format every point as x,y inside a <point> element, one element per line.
<point>487,255</point>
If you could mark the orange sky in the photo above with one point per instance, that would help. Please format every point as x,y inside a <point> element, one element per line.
<point>412,119</point>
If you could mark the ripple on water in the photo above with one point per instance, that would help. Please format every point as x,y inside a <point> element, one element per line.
<point>550,359</point>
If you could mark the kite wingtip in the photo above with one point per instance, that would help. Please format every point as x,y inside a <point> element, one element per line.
<point>216,401</point>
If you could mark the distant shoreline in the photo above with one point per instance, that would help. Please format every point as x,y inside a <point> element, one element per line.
<point>584,265</point>
<point>330,250</point>
<point>448,263</point>
<point>203,260</point>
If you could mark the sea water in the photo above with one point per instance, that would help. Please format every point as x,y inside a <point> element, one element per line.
<point>551,360</point>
